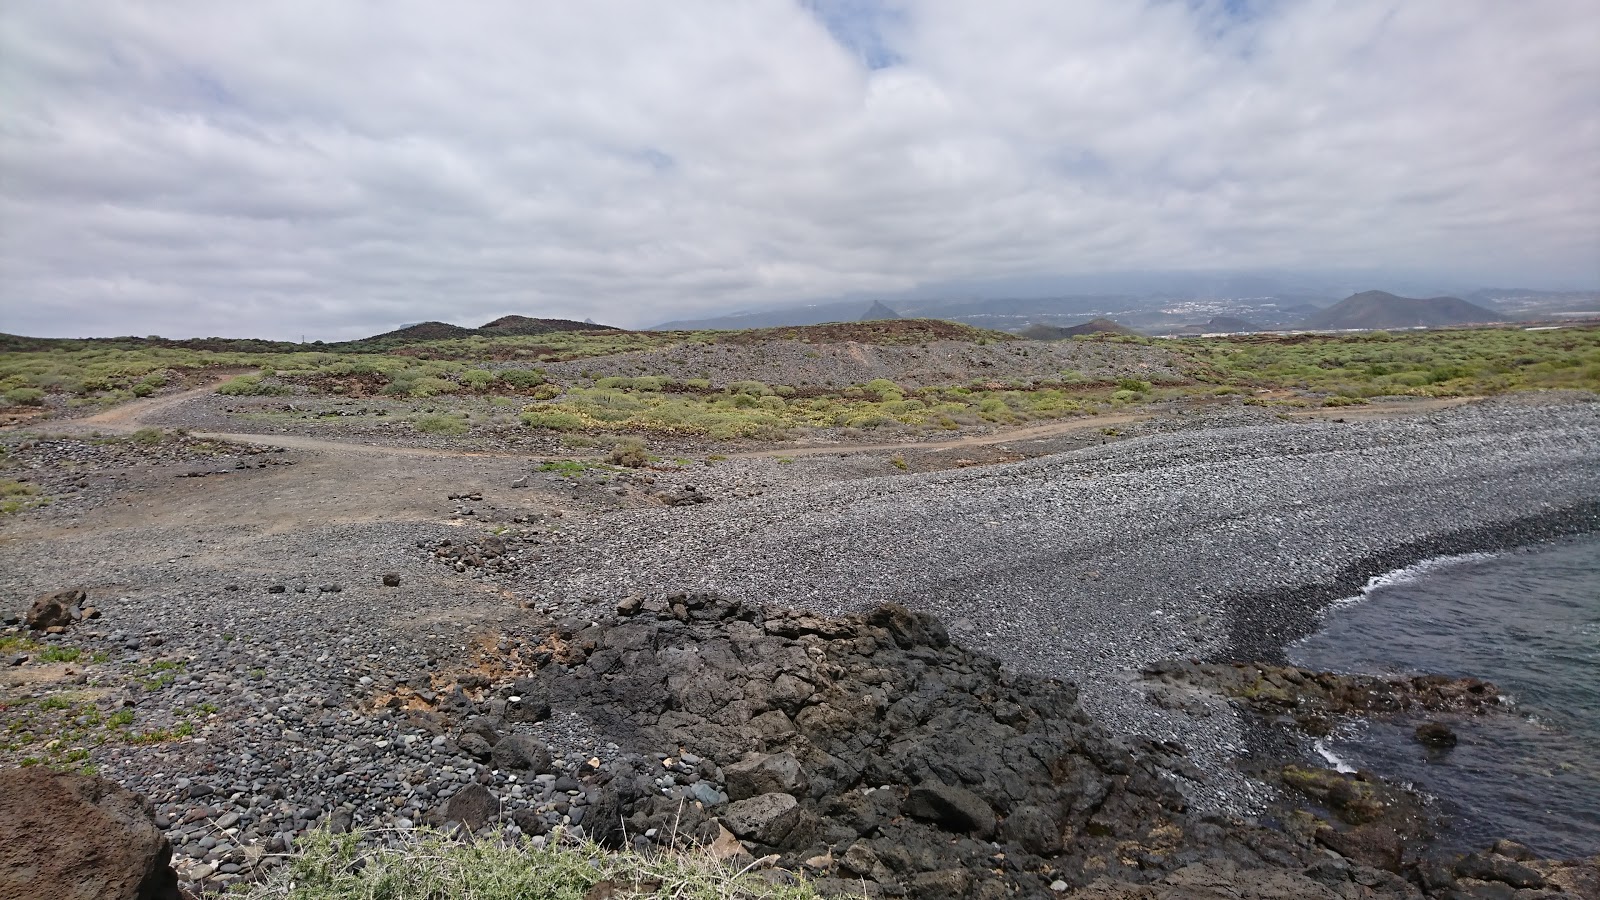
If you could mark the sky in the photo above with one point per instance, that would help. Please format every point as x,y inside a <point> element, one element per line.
<point>333,170</point>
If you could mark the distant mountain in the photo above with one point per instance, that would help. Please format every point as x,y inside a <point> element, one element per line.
<point>878,311</point>
<point>420,331</point>
<point>1058,333</point>
<point>527,325</point>
<point>1380,309</point>
<point>501,327</point>
<point>1222,325</point>
<point>815,314</point>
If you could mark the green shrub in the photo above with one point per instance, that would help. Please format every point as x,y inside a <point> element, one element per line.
<point>25,396</point>
<point>553,419</point>
<point>148,436</point>
<point>628,452</point>
<point>522,378</point>
<point>440,424</point>
<point>251,386</point>
<point>477,379</point>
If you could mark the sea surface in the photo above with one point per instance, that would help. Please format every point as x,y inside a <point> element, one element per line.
<point>1527,620</point>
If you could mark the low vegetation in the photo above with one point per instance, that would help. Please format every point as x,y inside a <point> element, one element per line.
<point>501,377</point>
<point>429,867</point>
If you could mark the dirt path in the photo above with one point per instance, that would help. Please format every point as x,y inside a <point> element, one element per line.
<point>135,414</point>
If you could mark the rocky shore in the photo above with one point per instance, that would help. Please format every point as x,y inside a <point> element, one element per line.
<point>267,675</point>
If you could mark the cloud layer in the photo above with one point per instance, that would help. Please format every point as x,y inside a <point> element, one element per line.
<point>335,169</point>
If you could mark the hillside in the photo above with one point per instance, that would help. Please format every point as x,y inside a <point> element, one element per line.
<point>1380,309</point>
<point>529,325</point>
<point>1093,326</point>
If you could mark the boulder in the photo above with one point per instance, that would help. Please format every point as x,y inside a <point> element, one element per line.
<point>758,774</point>
<point>767,819</point>
<point>54,610</point>
<point>79,837</point>
<point>473,806</point>
<point>522,753</point>
<point>951,808</point>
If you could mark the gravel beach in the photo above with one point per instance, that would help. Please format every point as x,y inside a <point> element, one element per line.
<point>263,586</point>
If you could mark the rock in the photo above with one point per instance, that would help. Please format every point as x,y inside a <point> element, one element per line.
<point>391,579</point>
<point>473,806</point>
<point>476,746</point>
<point>1491,867</point>
<point>767,819</point>
<point>527,709</point>
<point>54,610</point>
<point>1435,734</point>
<point>1034,829</point>
<point>766,774</point>
<point>522,753</point>
<point>951,808</point>
<point>76,836</point>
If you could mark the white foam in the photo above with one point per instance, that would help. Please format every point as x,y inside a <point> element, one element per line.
<point>1412,573</point>
<point>1339,765</point>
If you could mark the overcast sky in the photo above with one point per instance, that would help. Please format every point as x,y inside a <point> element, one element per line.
<point>338,168</point>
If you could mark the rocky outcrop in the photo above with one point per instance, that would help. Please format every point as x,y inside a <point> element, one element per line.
<point>1314,700</point>
<point>79,837</point>
<point>868,747</point>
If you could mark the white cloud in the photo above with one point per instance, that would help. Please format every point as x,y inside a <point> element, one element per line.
<point>336,169</point>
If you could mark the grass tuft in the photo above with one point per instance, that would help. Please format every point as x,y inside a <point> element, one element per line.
<point>426,866</point>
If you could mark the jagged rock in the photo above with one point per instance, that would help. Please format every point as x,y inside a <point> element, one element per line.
<point>951,808</point>
<point>54,610</point>
<point>522,753</point>
<point>473,806</point>
<point>765,774</point>
<point>475,746</point>
<point>79,837</point>
<point>767,819</point>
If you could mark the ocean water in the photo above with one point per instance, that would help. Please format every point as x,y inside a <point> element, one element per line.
<point>1527,620</point>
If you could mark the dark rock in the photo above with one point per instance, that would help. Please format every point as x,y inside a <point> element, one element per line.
<point>1034,829</point>
<point>77,836</point>
<point>391,579</point>
<point>519,752</point>
<point>951,808</point>
<point>767,819</point>
<point>765,774</point>
<point>473,806</point>
<point>54,610</point>
<point>527,709</point>
<point>1435,734</point>
<point>1491,867</point>
<point>475,746</point>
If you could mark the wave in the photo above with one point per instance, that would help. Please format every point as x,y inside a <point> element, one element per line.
<point>1412,573</point>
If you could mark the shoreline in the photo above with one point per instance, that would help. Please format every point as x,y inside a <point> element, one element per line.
<point>1295,613</point>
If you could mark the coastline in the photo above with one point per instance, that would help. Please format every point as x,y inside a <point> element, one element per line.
<point>1265,624</point>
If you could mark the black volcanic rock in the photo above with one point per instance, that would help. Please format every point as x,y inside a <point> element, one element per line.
<point>1378,309</point>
